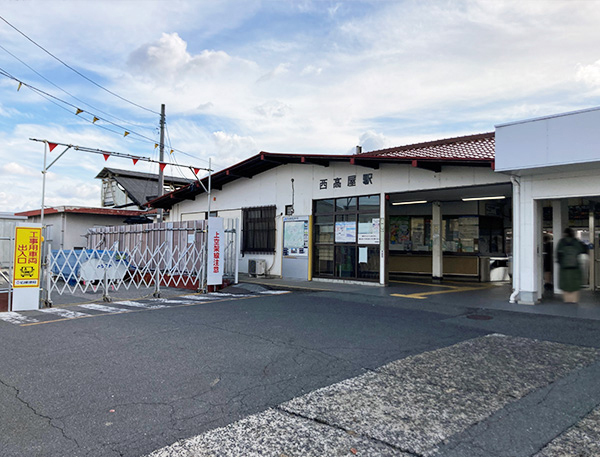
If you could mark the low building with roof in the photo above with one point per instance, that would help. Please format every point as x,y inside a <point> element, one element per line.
<point>67,226</point>
<point>435,208</point>
<point>127,189</point>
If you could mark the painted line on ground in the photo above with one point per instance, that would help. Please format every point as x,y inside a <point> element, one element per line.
<point>63,312</point>
<point>104,308</point>
<point>129,311</point>
<point>13,317</point>
<point>424,295</point>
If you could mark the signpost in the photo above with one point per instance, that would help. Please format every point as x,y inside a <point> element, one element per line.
<point>216,251</point>
<point>26,267</point>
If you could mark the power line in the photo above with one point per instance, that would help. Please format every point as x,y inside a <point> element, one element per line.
<point>61,89</point>
<point>78,72</point>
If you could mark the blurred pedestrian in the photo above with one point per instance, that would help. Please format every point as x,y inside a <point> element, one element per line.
<point>570,274</point>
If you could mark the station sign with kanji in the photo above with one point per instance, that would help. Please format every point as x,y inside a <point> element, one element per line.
<point>28,252</point>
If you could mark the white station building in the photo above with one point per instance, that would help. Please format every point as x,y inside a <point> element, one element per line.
<point>453,208</point>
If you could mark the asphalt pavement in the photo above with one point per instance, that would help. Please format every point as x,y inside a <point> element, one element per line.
<point>287,369</point>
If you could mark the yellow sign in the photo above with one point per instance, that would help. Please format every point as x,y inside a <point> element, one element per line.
<point>28,250</point>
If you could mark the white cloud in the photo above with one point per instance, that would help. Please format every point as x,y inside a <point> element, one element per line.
<point>371,141</point>
<point>279,70</point>
<point>273,109</point>
<point>231,148</point>
<point>16,169</point>
<point>589,74</point>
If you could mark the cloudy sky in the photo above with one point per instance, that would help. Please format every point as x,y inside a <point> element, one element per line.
<point>241,76</point>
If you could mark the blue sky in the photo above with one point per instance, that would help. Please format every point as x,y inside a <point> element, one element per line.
<point>238,77</point>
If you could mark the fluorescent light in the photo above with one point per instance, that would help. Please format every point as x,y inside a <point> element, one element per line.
<point>409,203</point>
<point>499,197</point>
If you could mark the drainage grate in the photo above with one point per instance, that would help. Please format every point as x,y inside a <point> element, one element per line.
<point>479,317</point>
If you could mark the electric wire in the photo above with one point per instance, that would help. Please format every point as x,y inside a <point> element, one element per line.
<point>63,90</point>
<point>78,72</point>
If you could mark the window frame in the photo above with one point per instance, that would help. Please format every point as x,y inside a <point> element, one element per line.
<point>259,230</point>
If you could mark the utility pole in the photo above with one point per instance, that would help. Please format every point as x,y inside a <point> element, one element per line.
<point>161,176</point>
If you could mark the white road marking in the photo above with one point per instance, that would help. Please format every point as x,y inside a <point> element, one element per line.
<point>16,318</point>
<point>104,309</point>
<point>66,313</point>
<point>275,292</point>
<point>137,304</point>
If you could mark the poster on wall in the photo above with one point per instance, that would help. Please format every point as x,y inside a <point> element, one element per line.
<point>295,236</point>
<point>345,232</point>
<point>399,233</point>
<point>368,232</point>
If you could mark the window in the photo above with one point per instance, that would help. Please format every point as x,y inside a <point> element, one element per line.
<point>346,237</point>
<point>258,229</point>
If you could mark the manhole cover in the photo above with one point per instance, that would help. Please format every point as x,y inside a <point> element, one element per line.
<point>479,317</point>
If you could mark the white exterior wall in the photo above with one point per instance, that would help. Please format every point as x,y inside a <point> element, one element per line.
<point>274,187</point>
<point>551,158</point>
<point>562,140</point>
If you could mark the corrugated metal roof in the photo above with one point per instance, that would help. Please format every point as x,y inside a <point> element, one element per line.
<point>84,210</point>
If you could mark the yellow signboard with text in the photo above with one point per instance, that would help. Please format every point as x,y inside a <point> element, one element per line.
<point>28,251</point>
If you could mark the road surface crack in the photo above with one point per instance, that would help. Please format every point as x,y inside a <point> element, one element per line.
<point>51,421</point>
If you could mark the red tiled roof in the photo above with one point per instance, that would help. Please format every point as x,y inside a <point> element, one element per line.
<point>471,147</point>
<point>84,210</point>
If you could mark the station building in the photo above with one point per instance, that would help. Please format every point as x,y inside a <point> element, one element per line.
<point>436,209</point>
<point>475,207</point>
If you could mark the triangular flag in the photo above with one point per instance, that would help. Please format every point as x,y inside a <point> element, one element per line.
<point>79,111</point>
<point>135,161</point>
<point>126,133</point>
<point>95,119</point>
<point>196,171</point>
<point>171,151</point>
<point>155,145</point>
<point>162,166</point>
<point>51,146</point>
<point>106,156</point>
<point>19,88</point>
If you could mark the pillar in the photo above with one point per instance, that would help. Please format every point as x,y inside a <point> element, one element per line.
<point>436,242</point>
<point>560,220</point>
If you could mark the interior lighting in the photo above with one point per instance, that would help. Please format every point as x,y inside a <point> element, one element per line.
<point>410,203</point>
<point>498,197</point>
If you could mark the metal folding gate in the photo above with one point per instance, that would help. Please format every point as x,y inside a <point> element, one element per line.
<point>168,254</point>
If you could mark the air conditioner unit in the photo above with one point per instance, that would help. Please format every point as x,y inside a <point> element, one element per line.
<point>257,267</point>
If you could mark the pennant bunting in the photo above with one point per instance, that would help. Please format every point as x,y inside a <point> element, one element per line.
<point>19,88</point>
<point>79,111</point>
<point>171,151</point>
<point>196,171</point>
<point>162,166</point>
<point>51,146</point>
<point>106,156</point>
<point>126,133</point>
<point>95,119</point>
<point>135,161</point>
<point>155,145</point>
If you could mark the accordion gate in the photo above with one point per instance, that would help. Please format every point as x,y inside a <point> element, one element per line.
<point>168,254</point>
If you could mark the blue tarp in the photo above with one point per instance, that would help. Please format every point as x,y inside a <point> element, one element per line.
<point>68,262</point>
